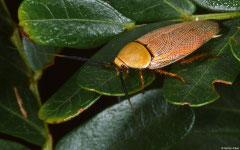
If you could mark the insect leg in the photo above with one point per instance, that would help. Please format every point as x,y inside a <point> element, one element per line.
<point>186,61</point>
<point>171,74</point>
<point>126,92</point>
<point>237,42</point>
<point>141,76</point>
<point>232,49</point>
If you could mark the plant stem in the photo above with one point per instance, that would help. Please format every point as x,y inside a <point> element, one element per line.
<point>215,16</point>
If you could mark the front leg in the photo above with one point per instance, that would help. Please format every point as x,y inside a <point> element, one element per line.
<point>141,77</point>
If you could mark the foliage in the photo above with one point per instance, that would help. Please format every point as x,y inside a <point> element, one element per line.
<point>161,122</point>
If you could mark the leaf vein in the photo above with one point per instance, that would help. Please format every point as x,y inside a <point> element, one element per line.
<point>207,70</point>
<point>77,20</point>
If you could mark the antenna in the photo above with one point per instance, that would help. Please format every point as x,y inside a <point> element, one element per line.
<point>74,58</point>
<point>80,59</point>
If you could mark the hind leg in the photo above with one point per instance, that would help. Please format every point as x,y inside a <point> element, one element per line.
<point>171,74</point>
<point>186,61</point>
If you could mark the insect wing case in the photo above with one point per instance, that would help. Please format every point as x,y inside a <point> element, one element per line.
<point>172,43</point>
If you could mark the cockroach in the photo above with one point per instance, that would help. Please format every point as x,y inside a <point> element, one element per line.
<point>165,46</point>
<point>161,48</point>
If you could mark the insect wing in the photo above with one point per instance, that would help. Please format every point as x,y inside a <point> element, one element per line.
<point>172,43</point>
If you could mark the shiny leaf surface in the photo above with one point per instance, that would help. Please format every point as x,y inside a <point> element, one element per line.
<point>68,102</point>
<point>80,24</point>
<point>219,5</point>
<point>154,10</point>
<point>116,128</point>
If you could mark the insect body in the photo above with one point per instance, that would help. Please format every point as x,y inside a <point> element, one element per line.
<point>166,45</point>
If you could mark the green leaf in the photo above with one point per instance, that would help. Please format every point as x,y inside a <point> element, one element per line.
<point>219,5</point>
<point>235,46</point>
<point>9,145</point>
<point>36,55</point>
<point>20,120</point>
<point>154,10</point>
<point>68,102</point>
<point>80,24</point>
<point>17,119</point>
<point>201,75</point>
<point>159,124</point>
<point>217,125</point>
<point>12,117</point>
<point>104,80</point>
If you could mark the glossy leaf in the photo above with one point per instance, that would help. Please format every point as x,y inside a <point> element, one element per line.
<point>217,125</point>
<point>201,75</point>
<point>159,124</point>
<point>154,10</point>
<point>80,24</point>
<point>9,145</point>
<point>36,55</point>
<point>68,102</point>
<point>219,5</point>
<point>104,80</point>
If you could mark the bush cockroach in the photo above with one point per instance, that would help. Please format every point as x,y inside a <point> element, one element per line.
<point>165,46</point>
<point>161,48</point>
